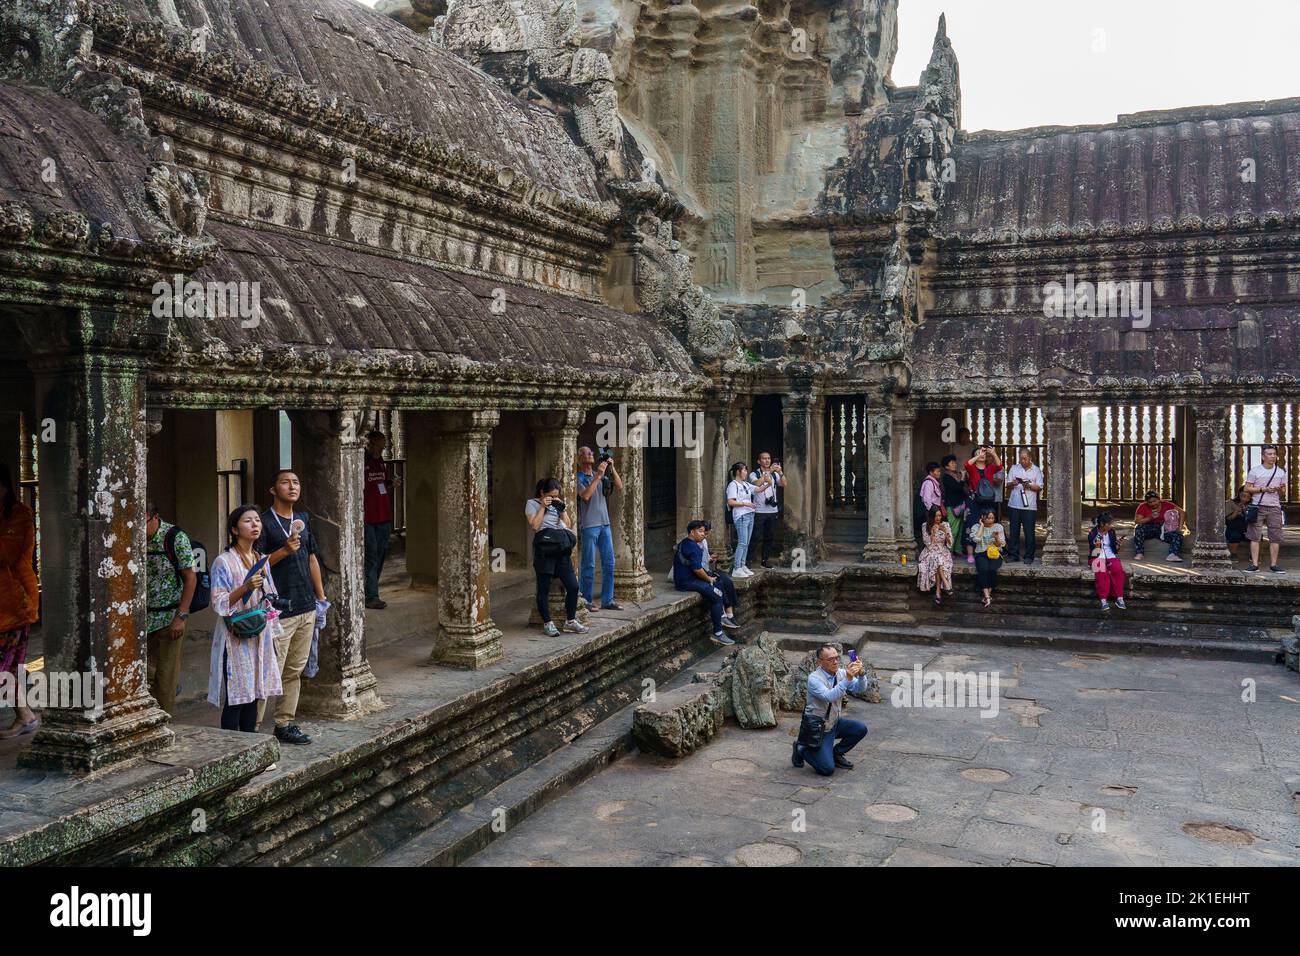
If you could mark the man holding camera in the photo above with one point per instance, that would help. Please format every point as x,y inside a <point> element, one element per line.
<point>827,685</point>
<point>767,505</point>
<point>597,480</point>
<point>291,550</point>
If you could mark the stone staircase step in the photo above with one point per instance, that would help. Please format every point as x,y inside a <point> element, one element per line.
<point>1256,651</point>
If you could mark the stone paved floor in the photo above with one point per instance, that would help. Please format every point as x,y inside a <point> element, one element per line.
<point>1162,746</point>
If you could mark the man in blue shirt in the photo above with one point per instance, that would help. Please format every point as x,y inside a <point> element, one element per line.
<point>690,573</point>
<point>827,685</point>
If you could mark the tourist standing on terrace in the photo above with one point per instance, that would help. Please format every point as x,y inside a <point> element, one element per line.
<point>740,499</point>
<point>290,548</point>
<point>982,471</point>
<point>170,584</point>
<point>244,670</point>
<point>596,482</point>
<point>1266,481</point>
<point>955,500</point>
<point>934,568</point>
<point>19,597</point>
<point>767,506</point>
<point>1158,519</point>
<point>988,540</point>
<point>1026,481</point>
<point>553,543</point>
<point>822,724</point>
<point>380,487</point>
<point>1107,570</point>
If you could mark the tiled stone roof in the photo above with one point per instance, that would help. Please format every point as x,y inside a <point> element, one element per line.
<point>334,300</point>
<point>372,61</point>
<point>1190,170</point>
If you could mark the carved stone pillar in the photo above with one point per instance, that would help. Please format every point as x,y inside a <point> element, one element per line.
<point>92,495</point>
<point>1210,548</point>
<point>333,464</point>
<point>467,636</point>
<point>713,466</point>
<point>804,516</point>
<point>882,539</point>
<point>692,463</point>
<point>627,520</point>
<point>902,479</point>
<point>1061,481</point>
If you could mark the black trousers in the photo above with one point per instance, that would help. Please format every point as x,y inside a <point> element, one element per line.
<point>238,716</point>
<point>765,528</point>
<point>563,571</point>
<point>1021,518</point>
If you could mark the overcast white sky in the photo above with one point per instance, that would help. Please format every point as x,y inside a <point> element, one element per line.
<point>1066,62</point>
<point>1033,63</point>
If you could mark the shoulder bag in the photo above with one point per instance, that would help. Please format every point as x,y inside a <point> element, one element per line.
<point>812,728</point>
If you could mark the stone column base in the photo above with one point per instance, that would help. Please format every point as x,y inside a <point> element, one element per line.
<point>634,587</point>
<point>69,742</point>
<point>1062,553</point>
<point>356,695</point>
<point>881,552</point>
<point>470,647</point>
<point>1211,556</point>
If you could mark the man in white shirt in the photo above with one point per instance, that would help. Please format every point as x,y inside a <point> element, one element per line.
<point>1265,481</point>
<point>767,506</point>
<point>1024,482</point>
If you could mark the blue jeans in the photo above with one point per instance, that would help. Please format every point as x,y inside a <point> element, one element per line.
<point>593,538</point>
<point>744,530</point>
<point>706,591</point>
<point>376,551</point>
<point>847,732</point>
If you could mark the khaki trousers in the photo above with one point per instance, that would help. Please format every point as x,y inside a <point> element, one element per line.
<point>163,654</point>
<point>292,648</point>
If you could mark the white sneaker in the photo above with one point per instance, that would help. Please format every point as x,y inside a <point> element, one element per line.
<point>573,627</point>
<point>1173,557</point>
<point>742,573</point>
<point>550,630</point>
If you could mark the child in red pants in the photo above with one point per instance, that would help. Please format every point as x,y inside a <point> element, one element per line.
<point>1107,570</point>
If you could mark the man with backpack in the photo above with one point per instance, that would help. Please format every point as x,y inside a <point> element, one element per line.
<point>171,585</point>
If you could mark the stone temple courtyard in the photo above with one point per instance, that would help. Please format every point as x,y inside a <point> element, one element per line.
<point>1187,774</point>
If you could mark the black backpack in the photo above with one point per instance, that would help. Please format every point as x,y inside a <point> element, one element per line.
<point>203,587</point>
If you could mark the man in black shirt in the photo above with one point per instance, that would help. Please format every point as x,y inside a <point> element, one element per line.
<point>291,552</point>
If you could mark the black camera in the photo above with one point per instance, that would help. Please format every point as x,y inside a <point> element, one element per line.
<point>603,455</point>
<point>281,604</point>
<point>558,505</point>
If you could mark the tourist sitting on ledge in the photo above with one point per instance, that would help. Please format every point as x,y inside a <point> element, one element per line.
<point>1236,514</point>
<point>1107,570</point>
<point>691,573</point>
<point>1155,518</point>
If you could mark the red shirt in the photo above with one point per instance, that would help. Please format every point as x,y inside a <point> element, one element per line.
<point>379,492</point>
<point>1144,510</point>
<point>973,474</point>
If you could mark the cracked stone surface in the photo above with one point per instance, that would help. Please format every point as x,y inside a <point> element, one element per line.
<point>1171,769</point>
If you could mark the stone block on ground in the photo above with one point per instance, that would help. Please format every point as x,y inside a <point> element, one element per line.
<point>678,721</point>
<point>1291,646</point>
<point>761,684</point>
